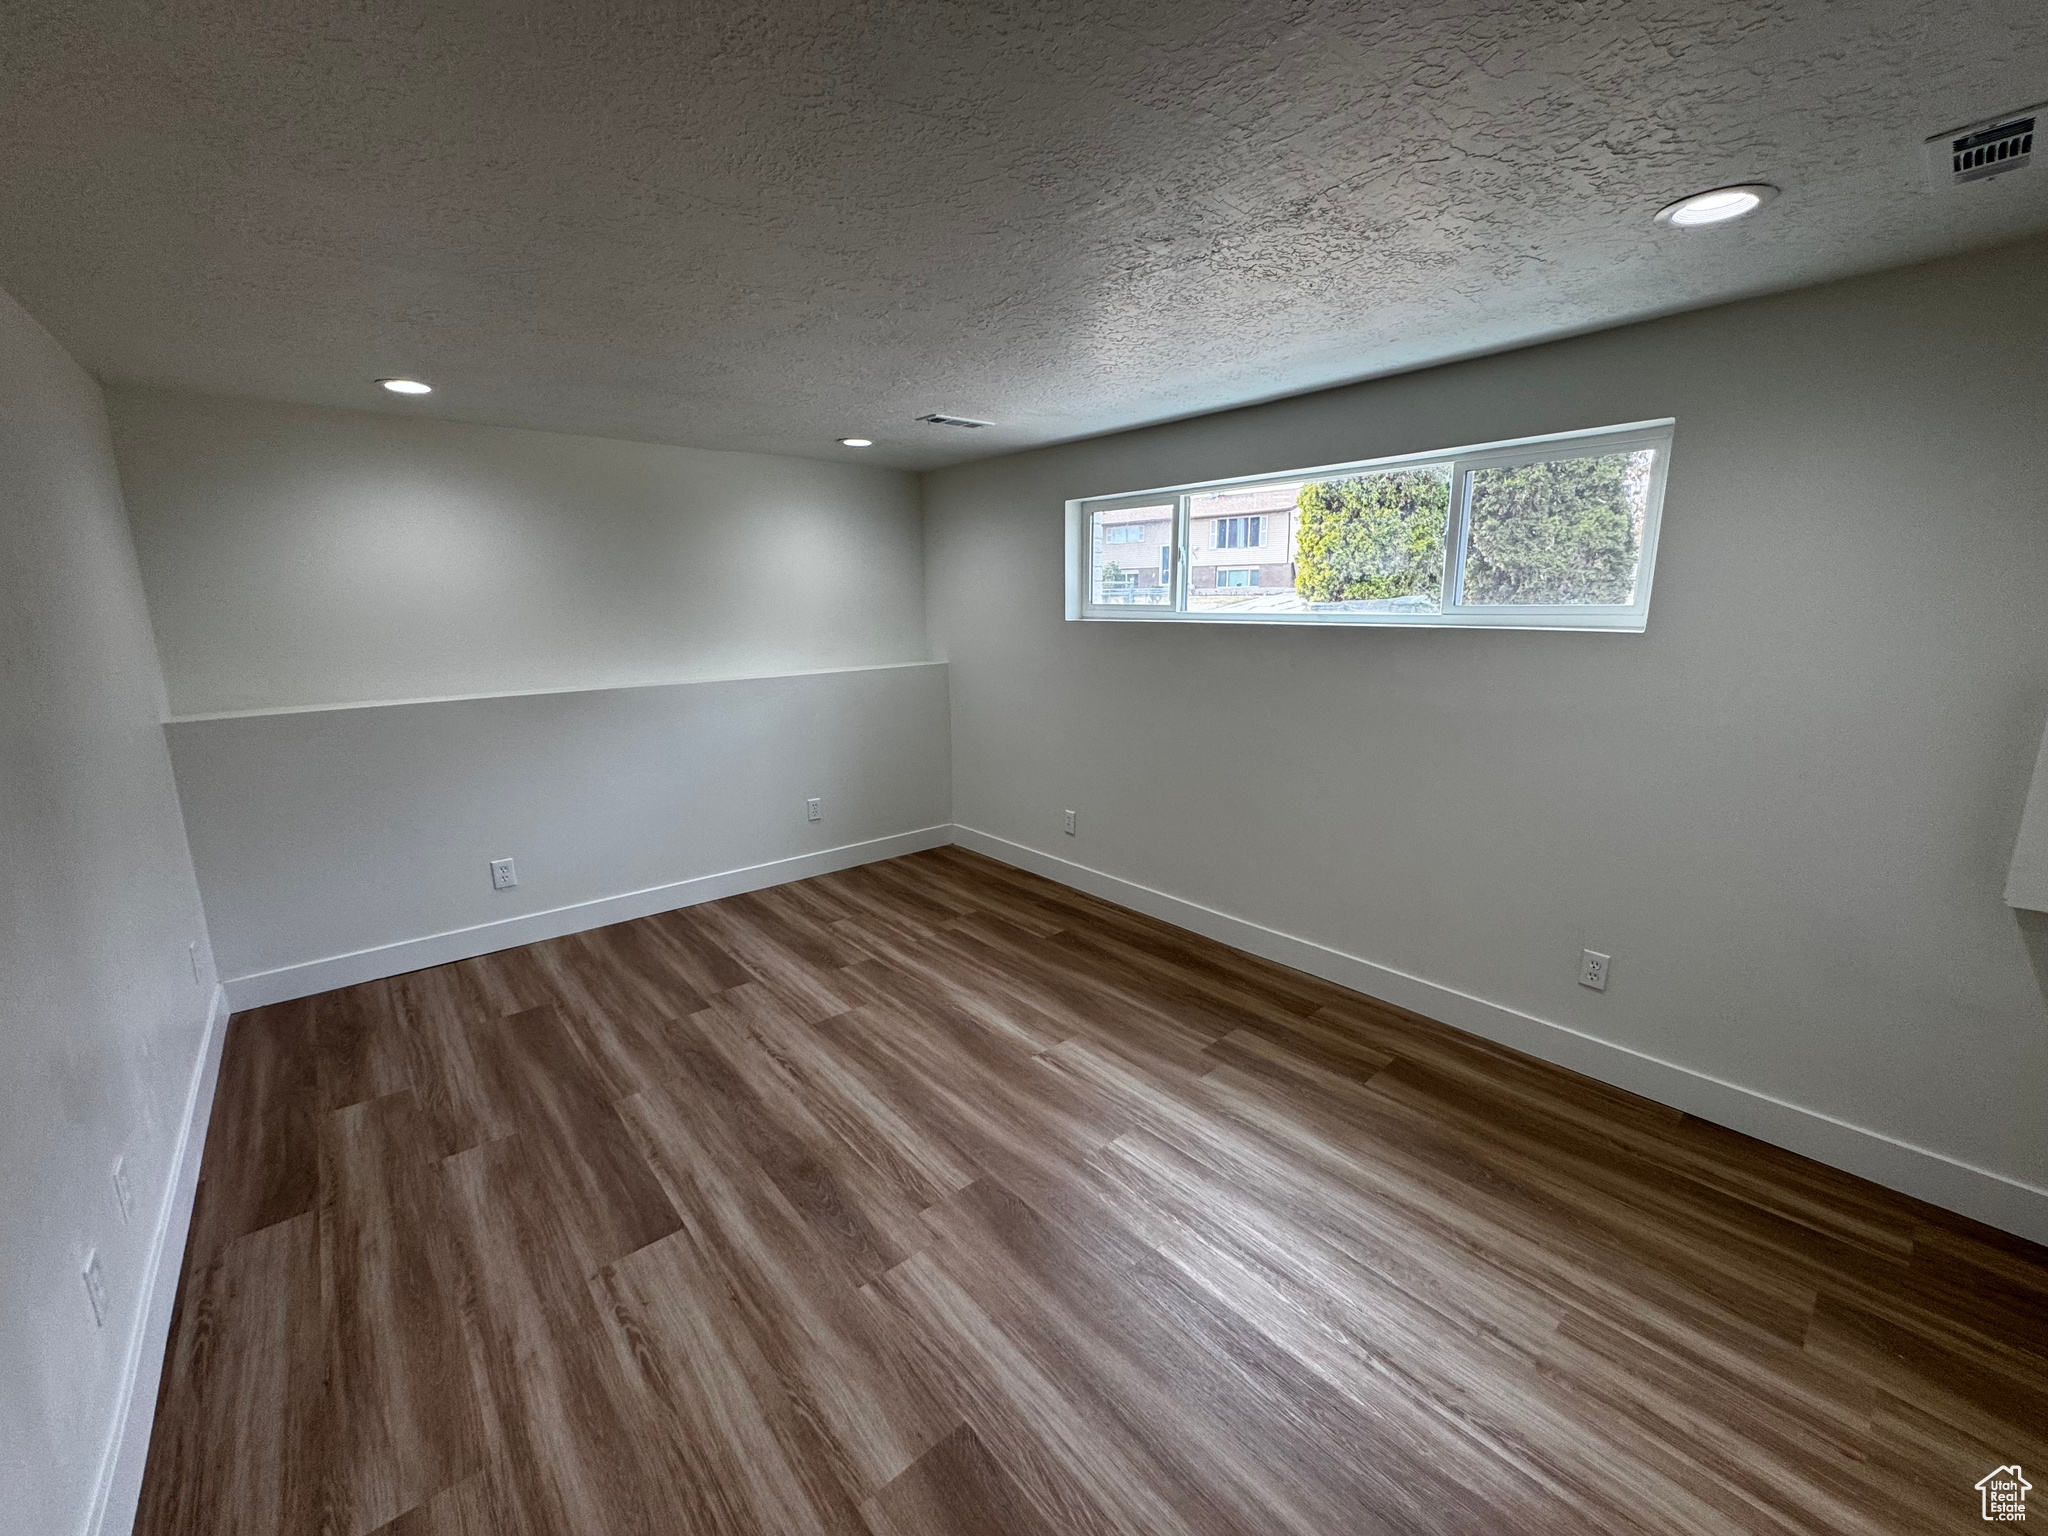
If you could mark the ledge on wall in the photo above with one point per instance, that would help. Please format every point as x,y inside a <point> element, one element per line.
<point>334,845</point>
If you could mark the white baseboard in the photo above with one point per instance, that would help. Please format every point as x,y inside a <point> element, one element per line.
<point>303,980</point>
<point>1990,1197</point>
<point>1997,1199</point>
<point>119,1487</point>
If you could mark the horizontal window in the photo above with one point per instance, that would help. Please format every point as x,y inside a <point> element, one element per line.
<point>1546,533</point>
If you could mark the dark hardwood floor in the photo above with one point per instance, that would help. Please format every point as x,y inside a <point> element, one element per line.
<point>932,1197</point>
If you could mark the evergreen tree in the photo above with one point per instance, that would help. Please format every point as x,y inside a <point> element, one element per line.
<point>1372,536</point>
<point>1564,531</point>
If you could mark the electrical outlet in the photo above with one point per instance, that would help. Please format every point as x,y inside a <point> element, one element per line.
<point>96,1289</point>
<point>124,1195</point>
<point>1593,970</point>
<point>503,875</point>
<point>814,810</point>
<point>1069,823</point>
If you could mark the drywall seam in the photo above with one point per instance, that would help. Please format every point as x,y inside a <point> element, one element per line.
<point>311,976</point>
<point>118,1489</point>
<point>2010,1204</point>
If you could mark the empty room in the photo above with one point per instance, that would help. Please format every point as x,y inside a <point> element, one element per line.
<point>1120,769</point>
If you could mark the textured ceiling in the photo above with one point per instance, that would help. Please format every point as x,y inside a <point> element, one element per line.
<point>768,226</point>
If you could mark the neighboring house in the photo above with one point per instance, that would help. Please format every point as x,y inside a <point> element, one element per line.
<point>1136,554</point>
<point>1241,545</point>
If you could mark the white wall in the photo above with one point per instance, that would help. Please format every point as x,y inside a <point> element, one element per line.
<point>1786,810</point>
<point>362,837</point>
<point>101,1017</point>
<point>299,555</point>
<point>675,647</point>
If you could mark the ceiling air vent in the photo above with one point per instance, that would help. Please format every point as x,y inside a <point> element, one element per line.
<point>1984,149</point>
<point>954,421</point>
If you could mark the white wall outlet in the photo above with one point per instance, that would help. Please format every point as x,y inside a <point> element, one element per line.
<point>503,875</point>
<point>96,1289</point>
<point>124,1194</point>
<point>814,810</point>
<point>1069,823</point>
<point>192,954</point>
<point>1593,970</point>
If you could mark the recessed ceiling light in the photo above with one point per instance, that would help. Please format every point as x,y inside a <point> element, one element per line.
<point>856,442</point>
<point>407,386</point>
<point>1717,206</point>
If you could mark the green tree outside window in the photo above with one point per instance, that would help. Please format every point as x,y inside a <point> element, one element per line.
<point>1373,536</point>
<point>1562,531</point>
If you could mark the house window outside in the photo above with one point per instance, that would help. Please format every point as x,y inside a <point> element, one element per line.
<point>1239,533</point>
<point>1543,533</point>
<point>1124,533</point>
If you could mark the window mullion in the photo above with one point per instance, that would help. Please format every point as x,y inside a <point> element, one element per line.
<point>1182,551</point>
<point>1456,531</point>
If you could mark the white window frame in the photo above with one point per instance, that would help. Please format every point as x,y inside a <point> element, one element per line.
<point>1629,617</point>
<point>1174,550</point>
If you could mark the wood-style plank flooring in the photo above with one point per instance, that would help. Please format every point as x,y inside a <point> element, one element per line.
<point>935,1198</point>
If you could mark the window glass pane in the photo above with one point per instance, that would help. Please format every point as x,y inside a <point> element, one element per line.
<point>1555,534</point>
<point>1130,557</point>
<point>1241,550</point>
<point>1563,532</point>
<point>1373,542</point>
